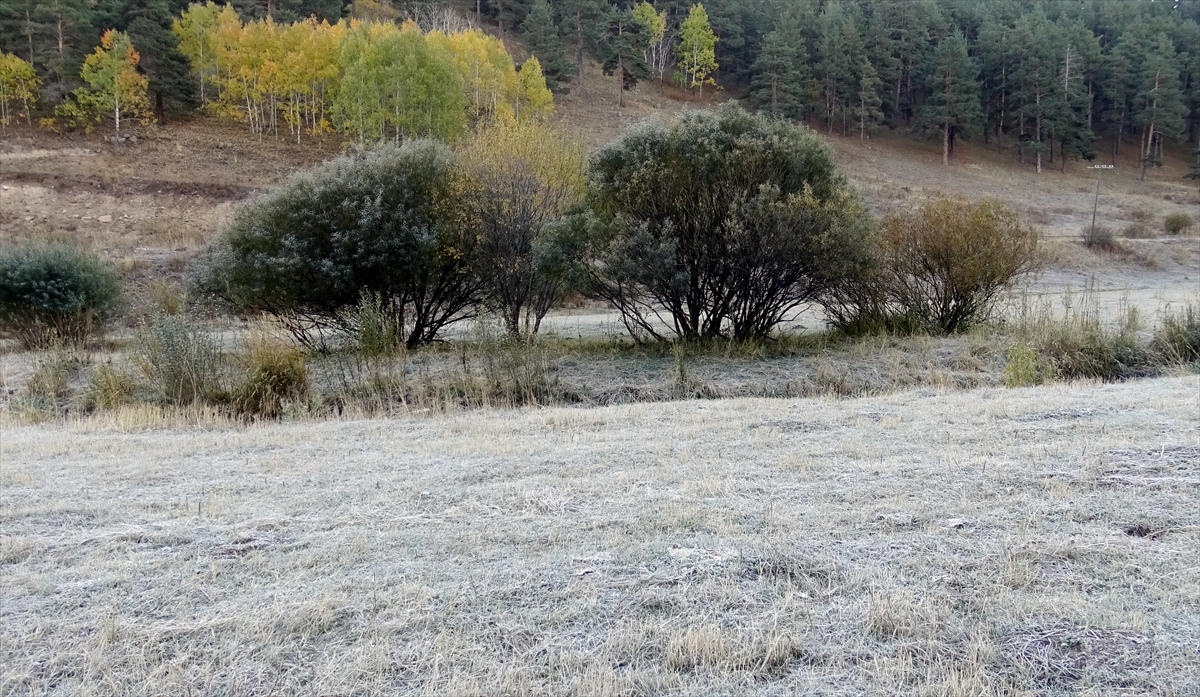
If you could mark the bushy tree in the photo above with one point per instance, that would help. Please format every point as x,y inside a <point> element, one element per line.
<point>52,292</point>
<point>115,87</point>
<point>526,175</point>
<point>19,85</point>
<point>696,52</point>
<point>718,225</point>
<point>391,222</point>
<point>940,267</point>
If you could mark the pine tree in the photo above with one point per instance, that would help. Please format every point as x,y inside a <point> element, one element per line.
<point>68,27</point>
<point>953,105</point>
<point>1161,108</point>
<point>541,36</point>
<point>1072,118</point>
<point>868,111</point>
<point>1037,79</point>
<point>621,49</point>
<point>912,24</point>
<point>998,57</point>
<point>148,24</point>
<point>582,22</point>
<point>841,50</point>
<point>781,81</point>
<point>696,52</point>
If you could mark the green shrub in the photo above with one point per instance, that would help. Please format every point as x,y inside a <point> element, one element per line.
<point>1178,223</point>
<point>274,375</point>
<point>390,221</point>
<point>1177,339</point>
<point>179,359</point>
<point>724,223</point>
<point>54,292</point>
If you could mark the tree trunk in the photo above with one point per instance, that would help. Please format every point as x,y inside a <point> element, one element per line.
<point>160,114</point>
<point>946,144</point>
<point>619,73</point>
<point>579,46</point>
<point>1148,150</point>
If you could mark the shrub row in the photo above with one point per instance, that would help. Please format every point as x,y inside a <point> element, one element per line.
<point>720,225</point>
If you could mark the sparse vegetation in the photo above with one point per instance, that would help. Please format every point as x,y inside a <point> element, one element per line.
<point>54,293</point>
<point>1178,224</point>
<point>182,362</point>
<point>926,543</point>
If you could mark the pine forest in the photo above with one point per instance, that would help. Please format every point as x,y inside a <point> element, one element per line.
<point>1051,78</point>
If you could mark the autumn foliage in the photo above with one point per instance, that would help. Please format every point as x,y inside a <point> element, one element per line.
<point>368,81</point>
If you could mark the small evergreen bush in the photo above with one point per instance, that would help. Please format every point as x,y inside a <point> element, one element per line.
<point>1178,223</point>
<point>53,293</point>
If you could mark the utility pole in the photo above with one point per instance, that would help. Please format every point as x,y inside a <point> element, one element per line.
<point>1096,203</point>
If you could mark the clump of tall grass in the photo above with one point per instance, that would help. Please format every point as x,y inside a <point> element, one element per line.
<point>1081,345</point>
<point>273,374</point>
<point>49,388</point>
<point>108,388</point>
<point>1177,339</point>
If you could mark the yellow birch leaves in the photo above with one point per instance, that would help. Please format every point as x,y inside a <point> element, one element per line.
<point>365,80</point>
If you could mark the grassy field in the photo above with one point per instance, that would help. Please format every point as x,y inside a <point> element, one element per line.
<point>989,542</point>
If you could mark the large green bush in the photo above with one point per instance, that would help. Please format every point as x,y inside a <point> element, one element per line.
<point>54,293</point>
<point>721,224</point>
<point>390,222</point>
